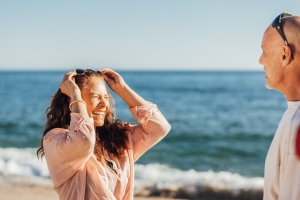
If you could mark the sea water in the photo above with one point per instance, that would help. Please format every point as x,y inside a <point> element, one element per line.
<point>222,126</point>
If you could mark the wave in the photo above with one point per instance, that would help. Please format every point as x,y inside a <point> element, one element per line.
<point>150,180</point>
<point>161,180</point>
<point>22,162</point>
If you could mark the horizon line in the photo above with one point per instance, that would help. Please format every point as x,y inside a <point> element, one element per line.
<point>140,70</point>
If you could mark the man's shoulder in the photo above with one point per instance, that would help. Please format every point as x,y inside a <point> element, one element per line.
<point>296,114</point>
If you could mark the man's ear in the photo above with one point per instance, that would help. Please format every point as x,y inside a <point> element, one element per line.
<point>286,55</point>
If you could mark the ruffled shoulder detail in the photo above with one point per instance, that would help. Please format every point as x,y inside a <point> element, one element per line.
<point>143,113</point>
<point>77,119</point>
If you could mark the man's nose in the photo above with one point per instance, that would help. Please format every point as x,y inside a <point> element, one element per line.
<point>260,60</point>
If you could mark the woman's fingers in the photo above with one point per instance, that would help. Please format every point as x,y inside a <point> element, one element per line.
<point>70,75</point>
<point>113,80</point>
<point>106,72</point>
<point>68,83</point>
<point>109,73</point>
<point>109,76</point>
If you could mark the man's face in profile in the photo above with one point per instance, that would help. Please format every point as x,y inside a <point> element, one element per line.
<point>270,58</point>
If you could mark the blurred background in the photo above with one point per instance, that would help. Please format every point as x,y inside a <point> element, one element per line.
<point>197,60</point>
<point>135,35</point>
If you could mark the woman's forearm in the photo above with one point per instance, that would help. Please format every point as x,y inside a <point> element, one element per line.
<point>78,106</point>
<point>131,98</point>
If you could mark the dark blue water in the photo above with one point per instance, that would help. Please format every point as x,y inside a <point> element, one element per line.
<point>221,121</point>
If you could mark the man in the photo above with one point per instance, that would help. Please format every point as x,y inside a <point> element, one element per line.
<point>281,61</point>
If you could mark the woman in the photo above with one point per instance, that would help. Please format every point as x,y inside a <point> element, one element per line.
<point>90,155</point>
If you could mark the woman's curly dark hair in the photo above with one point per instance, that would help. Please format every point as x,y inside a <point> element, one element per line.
<point>111,136</point>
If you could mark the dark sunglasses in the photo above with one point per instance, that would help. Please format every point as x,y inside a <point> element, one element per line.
<point>277,24</point>
<point>82,71</point>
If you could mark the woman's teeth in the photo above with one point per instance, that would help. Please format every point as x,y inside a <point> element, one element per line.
<point>97,113</point>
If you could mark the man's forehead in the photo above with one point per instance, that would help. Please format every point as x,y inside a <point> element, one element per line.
<point>269,32</point>
<point>270,36</point>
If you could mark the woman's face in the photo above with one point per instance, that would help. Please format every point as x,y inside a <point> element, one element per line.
<point>95,95</point>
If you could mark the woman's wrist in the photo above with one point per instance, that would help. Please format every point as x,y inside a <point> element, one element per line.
<point>76,96</point>
<point>76,101</point>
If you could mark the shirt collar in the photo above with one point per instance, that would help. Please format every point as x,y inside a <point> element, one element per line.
<point>293,104</point>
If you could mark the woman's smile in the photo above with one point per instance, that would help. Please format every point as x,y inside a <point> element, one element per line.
<point>99,112</point>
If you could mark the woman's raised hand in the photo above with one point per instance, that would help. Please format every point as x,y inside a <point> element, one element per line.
<point>69,87</point>
<point>113,80</point>
<point>118,85</point>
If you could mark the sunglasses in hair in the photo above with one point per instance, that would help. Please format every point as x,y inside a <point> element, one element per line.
<point>278,26</point>
<point>82,71</point>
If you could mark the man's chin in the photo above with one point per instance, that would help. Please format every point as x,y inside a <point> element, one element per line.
<point>268,86</point>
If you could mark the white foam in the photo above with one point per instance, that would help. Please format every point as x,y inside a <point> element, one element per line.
<point>16,162</point>
<point>160,177</point>
<point>22,162</point>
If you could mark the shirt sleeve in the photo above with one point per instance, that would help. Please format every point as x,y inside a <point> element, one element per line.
<point>79,142</point>
<point>289,180</point>
<point>153,127</point>
<point>67,151</point>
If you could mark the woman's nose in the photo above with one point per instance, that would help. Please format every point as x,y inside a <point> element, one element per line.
<point>102,103</point>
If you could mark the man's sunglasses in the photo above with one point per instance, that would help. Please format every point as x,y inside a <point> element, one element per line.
<point>82,71</point>
<point>277,25</point>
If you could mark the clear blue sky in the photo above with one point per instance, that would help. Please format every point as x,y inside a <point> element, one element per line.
<point>153,34</point>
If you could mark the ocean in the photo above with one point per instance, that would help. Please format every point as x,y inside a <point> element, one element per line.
<point>222,126</point>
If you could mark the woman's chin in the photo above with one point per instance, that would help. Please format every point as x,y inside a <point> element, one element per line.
<point>98,121</point>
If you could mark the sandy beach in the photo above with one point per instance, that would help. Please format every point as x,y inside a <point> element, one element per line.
<point>34,192</point>
<point>17,192</point>
<point>20,191</point>
<point>29,188</point>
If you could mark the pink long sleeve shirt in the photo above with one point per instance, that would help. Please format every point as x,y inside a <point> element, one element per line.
<point>74,169</point>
